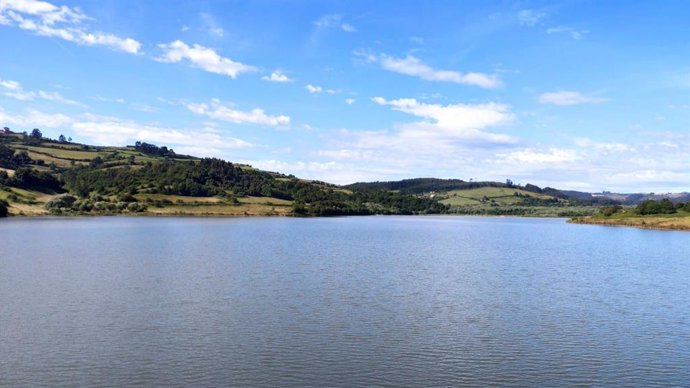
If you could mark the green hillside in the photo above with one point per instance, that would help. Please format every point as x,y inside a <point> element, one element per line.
<point>45,176</point>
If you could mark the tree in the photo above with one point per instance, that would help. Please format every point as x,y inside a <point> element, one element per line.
<point>69,139</point>
<point>3,208</point>
<point>62,139</point>
<point>36,134</point>
<point>6,129</point>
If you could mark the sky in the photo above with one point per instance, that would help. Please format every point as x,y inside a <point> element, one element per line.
<point>582,95</point>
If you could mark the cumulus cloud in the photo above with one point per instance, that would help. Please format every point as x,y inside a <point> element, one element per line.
<point>63,22</point>
<point>457,121</point>
<point>203,58</point>
<point>14,90</point>
<point>216,110</point>
<point>569,98</point>
<point>413,66</point>
<point>277,76</point>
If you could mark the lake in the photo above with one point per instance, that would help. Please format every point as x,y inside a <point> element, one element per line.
<point>347,302</point>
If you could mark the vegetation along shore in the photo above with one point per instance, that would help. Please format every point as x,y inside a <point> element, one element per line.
<point>41,176</point>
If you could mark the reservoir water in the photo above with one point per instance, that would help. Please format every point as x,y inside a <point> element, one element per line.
<point>341,302</point>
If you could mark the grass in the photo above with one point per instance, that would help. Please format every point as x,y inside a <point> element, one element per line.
<point>222,210</point>
<point>64,153</point>
<point>51,159</point>
<point>178,198</point>
<point>27,203</point>
<point>501,196</point>
<point>676,221</point>
<point>264,201</point>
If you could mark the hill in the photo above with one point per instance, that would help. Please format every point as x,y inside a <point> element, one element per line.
<point>46,176</point>
<point>493,198</point>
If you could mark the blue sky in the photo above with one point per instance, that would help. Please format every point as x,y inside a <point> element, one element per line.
<point>588,95</point>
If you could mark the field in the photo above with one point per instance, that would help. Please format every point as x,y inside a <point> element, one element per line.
<point>501,196</point>
<point>677,221</point>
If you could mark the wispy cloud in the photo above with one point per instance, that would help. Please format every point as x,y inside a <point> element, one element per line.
<point>110,130</point>
<point>350,101</point>
<point>413,66</point>
<point>334,21</point>
<point>63,22</point>
<point>277,76</point>
<point>575,34</point>
<point>216,110</point>
<point>529,17</point>
<point>15,90</point>
<point>33,118</point>
<point>203,58</point>
<point>569,98</point>
<point>211,25</point>
<point>532,156</point>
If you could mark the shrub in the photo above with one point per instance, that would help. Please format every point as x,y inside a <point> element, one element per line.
<point>3,208</point>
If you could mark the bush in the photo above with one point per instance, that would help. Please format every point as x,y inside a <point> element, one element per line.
<point>62,202</point>
<point>3,208</point>
<point>665,206</point>
<point>608,211</point>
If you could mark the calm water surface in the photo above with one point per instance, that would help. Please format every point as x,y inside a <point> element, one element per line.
<point>363,301</point>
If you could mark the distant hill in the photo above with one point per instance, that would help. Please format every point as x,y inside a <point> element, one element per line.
<point>40,175</point>
<point>422,185</point>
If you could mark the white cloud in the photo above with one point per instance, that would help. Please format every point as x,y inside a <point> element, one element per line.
<point>9,84</point>
<point>109,131</point>
<point>531,156</point>
<point>62,22</point>
<point>348,27</point>
<point>277,76</point>
<point>569,98</point>
<point>334,21</point>
<point>413,66</point>
<point>528,17</point>
<point>14,90</point>
<point>313,89</point>
<point>211,25</point>
<point>218,111</point>
<point>455,121</point>
<point>203,58</point>
<point>603,146</point>
<point>34,118</point>
<point>417,40</point>
<point>350,101</point>
<point>575,34</point>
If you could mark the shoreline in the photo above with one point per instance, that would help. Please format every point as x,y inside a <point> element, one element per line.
<point>652,223</point>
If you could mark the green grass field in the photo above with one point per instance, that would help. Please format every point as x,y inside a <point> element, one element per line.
<point>502,196</point>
